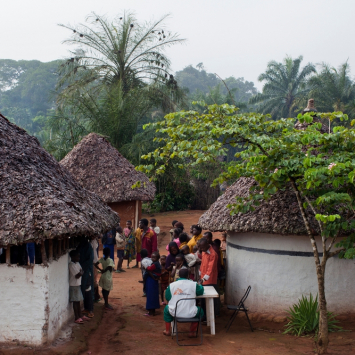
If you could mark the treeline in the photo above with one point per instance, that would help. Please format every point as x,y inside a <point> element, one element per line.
<point>118,78</point>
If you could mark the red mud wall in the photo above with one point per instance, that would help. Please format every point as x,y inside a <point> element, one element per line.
<point>127,211</point>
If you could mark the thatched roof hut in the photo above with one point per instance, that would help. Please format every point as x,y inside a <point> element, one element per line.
<point>101,169</point>
<point>39,199</point>
<point>278,215</point>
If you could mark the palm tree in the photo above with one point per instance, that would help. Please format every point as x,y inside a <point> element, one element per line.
<point>116,75</point>
<point>121,50</point>
<point>333,89</point>
<point>284,84</point>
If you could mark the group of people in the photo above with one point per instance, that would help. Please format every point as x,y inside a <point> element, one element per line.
<point>85,264</point>
<point>193,261</point>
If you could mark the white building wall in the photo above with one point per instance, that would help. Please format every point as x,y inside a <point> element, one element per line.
<point>278,281</point>
<point>60,309</point>
<point>34,302</point>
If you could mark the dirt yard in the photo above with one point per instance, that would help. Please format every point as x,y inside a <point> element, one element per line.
<point>127,331</point>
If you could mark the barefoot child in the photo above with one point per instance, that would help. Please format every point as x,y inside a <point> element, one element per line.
<point>75,294</point>
<point>106,275</point>
<point>164,279</point>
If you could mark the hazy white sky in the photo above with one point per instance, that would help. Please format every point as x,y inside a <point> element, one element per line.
<point>231,37</point>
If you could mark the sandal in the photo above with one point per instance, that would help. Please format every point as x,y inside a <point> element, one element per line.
<point>91,315</point>
<point>128,267</point>
<point>109,308</point>
<point>118,271</point>
<point>148,315</point>
<point>79,321</point>
<point>85,318</point>
<point>135,267</point>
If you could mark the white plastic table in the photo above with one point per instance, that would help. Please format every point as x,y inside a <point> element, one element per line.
<point>209,294</point>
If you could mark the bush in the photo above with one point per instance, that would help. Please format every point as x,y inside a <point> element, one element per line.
<point>304,318</point>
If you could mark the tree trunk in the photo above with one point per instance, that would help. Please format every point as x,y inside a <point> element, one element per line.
<point>323,336</point>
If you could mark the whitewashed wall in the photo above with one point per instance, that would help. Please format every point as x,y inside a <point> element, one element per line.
<point>60,309</point>
<point>34,302</point>
<point>278,281</point>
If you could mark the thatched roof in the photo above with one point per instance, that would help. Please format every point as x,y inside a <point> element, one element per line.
<point>39,199</point>
<point>100,168</point>
<point>279,215</point>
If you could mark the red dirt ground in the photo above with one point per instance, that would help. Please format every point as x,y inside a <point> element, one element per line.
<point>126,331</point>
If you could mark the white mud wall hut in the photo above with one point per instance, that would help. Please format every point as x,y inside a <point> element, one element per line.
<point>269,249</point>
<point>40,202</point>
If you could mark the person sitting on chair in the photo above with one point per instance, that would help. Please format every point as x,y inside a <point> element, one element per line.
<point>180,289</point>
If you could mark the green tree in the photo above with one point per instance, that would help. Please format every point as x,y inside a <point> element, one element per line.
<point>319,167</point>
<point>285,83</point>
<point>333,89</point>
<point>119,51</point>
<point>26,90</point>
<point>199,83</point>
<point>118,73</point>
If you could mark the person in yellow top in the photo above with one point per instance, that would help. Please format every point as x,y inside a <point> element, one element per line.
<point>196,235</point>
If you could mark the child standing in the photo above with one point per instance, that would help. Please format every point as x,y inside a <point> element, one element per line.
<point>190,260</point>
<point>164,279</point>
<point>130,248</point>
<point>106,276</point>
<point>224,246</point>
<point>153,226</point>
<point>198,257</point>
<point>75,294</point>
<point>179,260</point>
<point>120,245</point>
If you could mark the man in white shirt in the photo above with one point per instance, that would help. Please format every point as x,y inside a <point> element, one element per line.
<point>178,290</point>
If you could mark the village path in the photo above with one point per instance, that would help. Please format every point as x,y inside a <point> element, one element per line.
<point>127,331</point>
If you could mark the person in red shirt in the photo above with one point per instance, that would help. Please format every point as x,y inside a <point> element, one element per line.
<point>209,271</point>
<point>147,236</point>
<point>209,237</point>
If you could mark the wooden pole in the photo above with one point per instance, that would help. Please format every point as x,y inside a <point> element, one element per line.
<point>44,254</point>
<point>8,255</point>
<point>50,244</point>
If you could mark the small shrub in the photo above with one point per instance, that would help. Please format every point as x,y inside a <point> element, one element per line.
<point>304,318</point>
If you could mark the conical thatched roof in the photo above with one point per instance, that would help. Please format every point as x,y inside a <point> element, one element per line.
<point>279,215</point>
<point>39,199</point>
<point>100,168</point>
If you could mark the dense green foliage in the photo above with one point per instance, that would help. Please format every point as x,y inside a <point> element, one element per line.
<point>303,318</point>
<point>210,88</point>
<point>26,91</point>
<point>285,84</point>
<point>333,89</point>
